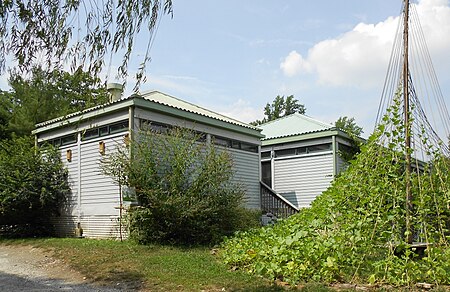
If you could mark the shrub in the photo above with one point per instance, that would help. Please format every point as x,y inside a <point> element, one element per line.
<point>184,187</point>
<point>32,186</point>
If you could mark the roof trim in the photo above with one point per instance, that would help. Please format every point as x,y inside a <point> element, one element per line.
<point>215,119</point>
<point>202,111</point>
<point>304,136</point>
<point>83,115</point>
<point>303,116</point>
<point>177,112</point>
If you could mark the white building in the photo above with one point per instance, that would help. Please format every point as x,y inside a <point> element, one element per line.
<point>84,137</point>
<point>300,157</point>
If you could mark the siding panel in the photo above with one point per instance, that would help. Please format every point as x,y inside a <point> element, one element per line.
<point>70,206</point>
<point>302,179</point>
<point>106,226</point>
<point>99,193</point>
<point>246,166</point>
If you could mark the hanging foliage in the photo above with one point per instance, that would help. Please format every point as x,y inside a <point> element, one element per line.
<point>355,231</point>
<point>84,33</point>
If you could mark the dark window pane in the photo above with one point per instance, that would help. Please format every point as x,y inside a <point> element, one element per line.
<point>118,127</point>
<point>56,142</point>
<point>70,139</point>
<point>301,150</point>
<point>319,148</point>
<point>285,152</point>
<point>90,134</point>
<point>266,171</point>
<point>265,154</point>
<point>103,131</point>
<point>249,147</point>
<point>222,141</point>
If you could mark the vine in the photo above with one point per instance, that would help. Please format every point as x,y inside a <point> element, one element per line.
<point>355,231</point>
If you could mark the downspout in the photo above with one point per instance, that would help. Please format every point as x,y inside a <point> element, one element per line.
<point>335,156</point>
<point>272,168</point>
<point>79,176</point>
<point>131,122</point>
<point>260,176</point>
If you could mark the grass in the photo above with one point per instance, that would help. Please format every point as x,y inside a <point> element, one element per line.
<point>156,268</point>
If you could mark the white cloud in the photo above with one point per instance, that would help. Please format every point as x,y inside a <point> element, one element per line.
<point>241,110</point>
<point>360,56</point>
<point>294,64</point>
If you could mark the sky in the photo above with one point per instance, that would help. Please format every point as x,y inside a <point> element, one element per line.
<point>234,56</point>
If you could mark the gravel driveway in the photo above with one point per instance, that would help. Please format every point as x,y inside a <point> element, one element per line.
<point>24,268</point>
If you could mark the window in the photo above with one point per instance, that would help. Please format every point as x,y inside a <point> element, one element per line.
<point>266,172</point>
<point>249,147</point>
<point>319,148</point>
<point>346,148</point>
<point>235,144</point>
<point>105,130</point>
<point>147,125</point>
<point>222,141</point>
<point>285,152</point>
<point>118,127</point>
<point>303,150</point>
<point>90,134</point>
<point>265,155</point>
<point>69,139</point>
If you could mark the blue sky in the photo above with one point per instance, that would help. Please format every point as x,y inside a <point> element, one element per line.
<point>234,56</point>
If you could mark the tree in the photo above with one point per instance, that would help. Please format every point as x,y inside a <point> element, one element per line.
<point>280,107</point>
<point>349,126</point>
<point>184,188</point>
<point>46,95</point>
<point>33,186</point>
<point>81,32</point>
<point>5,114</point>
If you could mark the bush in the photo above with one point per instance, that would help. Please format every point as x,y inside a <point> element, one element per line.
<point>184,188</point>
<point>32,186</point>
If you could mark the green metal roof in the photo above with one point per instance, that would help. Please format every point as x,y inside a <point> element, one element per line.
<point>158,101</point>
<point>165,99</point>
<point>292,125</point>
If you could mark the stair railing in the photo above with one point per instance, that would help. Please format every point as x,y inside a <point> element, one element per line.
<point>276,204</point>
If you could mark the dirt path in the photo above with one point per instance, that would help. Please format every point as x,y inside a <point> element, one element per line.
<point>25,268</point>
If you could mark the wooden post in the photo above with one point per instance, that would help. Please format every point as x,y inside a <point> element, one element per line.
<point>406,112</point>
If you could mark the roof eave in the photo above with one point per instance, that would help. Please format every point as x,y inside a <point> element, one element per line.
<point>139,101</point>
<point>176,112</point>
<point>83,115</point>
<point>303,136</point>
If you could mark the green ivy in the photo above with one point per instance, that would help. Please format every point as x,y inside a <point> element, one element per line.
<point>355,231</point>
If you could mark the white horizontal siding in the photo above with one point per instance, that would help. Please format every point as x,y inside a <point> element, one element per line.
<point>302,179</point>
<point>93,226</point>
<point>70,206</point>
<point>99,193</point>
<point>246,166</point>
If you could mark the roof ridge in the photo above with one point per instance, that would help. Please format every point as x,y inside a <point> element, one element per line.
<point>221,116</point>
<point>300,116</point>
<point>316,121</point>
<point>283,117</point>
